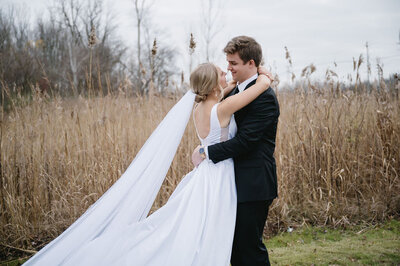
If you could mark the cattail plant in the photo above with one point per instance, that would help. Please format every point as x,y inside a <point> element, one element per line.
<point>356,67</point>
<point>182,78</point>
<point>306,73</point>
<point>152,66</point>
<point>290,66</point>
<point>91,43</point>
<point>192,47</point>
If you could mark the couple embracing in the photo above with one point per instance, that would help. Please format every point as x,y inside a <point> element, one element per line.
<point>217,213</point>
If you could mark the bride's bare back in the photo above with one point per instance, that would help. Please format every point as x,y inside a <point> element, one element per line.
<point>202,113</point>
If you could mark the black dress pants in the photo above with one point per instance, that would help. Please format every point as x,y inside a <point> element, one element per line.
<point>248,248</point>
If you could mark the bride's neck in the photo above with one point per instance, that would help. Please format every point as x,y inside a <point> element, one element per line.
<point>212,98</point>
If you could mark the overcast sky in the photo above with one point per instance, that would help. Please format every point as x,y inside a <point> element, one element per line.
<point>315,31</point>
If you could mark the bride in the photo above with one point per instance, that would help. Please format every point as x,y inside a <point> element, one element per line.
<point>196,225</point>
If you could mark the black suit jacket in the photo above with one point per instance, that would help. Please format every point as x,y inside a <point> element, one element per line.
<point>252,149</point>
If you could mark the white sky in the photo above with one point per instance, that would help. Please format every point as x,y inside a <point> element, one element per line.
<point>315,31</point>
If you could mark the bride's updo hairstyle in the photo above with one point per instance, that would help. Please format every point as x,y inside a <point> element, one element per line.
<point>203,79</point>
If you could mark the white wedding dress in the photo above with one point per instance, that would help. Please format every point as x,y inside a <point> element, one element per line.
<point>195,227</point>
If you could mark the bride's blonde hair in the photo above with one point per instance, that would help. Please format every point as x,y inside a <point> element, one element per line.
<point>203,79</point>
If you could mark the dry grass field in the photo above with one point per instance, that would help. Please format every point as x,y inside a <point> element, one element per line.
<point>338,159</point>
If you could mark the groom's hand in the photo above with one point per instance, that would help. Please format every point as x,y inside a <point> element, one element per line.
<point>196,157</point>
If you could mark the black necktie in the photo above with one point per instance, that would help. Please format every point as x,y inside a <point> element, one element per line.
<point>236,90</point>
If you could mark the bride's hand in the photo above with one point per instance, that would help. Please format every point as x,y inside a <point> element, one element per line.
<point>232,84</point>
<point>263,71</point>
<point>230,87</point>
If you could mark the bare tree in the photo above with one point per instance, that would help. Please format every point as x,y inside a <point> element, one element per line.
<point>77,18</point>
<point>17,65</point>
<point>142,8</point>
<point>53,52</point>
<point>211,25</point>
<point>158,58</point>
<point>155,62</point>
<point>70,13</point>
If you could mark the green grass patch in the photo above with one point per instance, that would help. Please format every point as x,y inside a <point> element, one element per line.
<point>378,245</point>
<point>16,262</point>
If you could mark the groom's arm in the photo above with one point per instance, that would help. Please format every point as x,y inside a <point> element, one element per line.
<point>260,118</point>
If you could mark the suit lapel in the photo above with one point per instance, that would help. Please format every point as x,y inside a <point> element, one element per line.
<point>250,84</point>
<point>233,92</point>
<point>240,114</point>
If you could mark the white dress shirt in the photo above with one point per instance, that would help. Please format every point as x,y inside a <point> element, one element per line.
<point>242,86</point>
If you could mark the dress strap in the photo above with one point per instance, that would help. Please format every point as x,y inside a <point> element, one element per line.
<point>194,122</point>
<point>214,121</point>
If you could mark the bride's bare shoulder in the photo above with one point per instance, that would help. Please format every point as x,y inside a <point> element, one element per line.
<point>223,116</point>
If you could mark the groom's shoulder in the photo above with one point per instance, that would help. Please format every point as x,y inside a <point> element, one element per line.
<point>271,92</point>
<point>266,102</point>
<point>268,95</point>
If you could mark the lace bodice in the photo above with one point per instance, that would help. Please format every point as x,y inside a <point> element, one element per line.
<point>216,133</point>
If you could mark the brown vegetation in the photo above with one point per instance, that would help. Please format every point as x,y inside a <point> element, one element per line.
<point>337,154</point>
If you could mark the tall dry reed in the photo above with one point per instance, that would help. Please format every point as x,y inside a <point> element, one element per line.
<point>337,154</point>
<point>338,158</point>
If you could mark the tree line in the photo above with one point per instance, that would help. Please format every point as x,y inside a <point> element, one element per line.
<point>74,50</point>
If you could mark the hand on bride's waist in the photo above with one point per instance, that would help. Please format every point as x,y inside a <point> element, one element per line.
<point>197,157</point>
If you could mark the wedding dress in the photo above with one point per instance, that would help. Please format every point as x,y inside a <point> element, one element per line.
<point>195,226</point>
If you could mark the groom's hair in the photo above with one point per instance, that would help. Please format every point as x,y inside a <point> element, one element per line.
<point>246,47</point>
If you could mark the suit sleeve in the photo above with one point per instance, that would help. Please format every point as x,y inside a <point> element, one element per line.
<point>260,117</point>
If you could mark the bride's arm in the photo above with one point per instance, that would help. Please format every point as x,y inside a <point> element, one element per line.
<point>236,102</point>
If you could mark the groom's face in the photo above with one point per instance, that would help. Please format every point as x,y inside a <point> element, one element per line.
<point>240,71</point>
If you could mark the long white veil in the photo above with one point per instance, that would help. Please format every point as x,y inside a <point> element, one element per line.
<point>129,200</point>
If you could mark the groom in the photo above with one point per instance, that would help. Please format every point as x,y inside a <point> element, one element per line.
<point>253,152</point>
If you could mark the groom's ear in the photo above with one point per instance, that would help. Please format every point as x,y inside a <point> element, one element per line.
<point>252,63</point>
